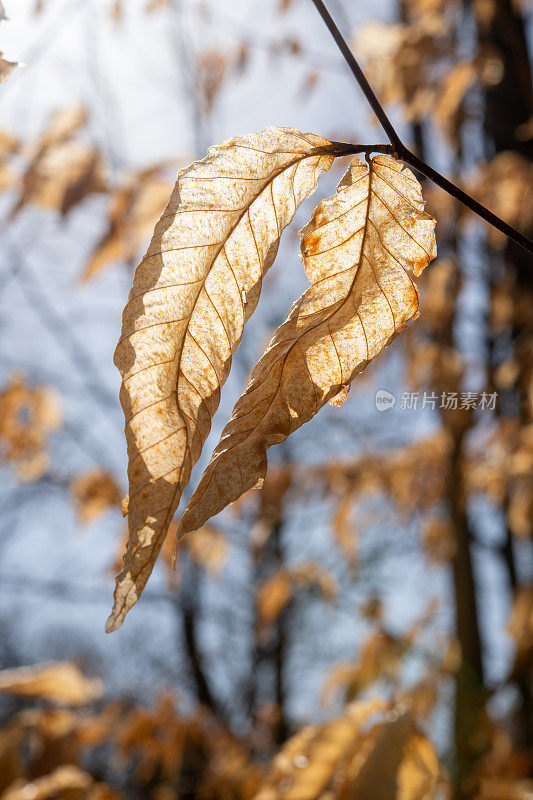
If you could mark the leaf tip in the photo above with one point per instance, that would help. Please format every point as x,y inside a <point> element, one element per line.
<point>127,592</point>
<point>175,549</point>
<point>113,623</point>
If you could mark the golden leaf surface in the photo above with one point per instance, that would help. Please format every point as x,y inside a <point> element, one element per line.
<point>357,250</point>
<point>197,285</point>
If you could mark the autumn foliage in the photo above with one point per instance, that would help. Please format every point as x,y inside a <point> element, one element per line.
<point>280,660</point>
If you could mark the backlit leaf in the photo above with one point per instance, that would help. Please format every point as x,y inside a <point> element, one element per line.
<point>197,285</point>
<point>357,250</point>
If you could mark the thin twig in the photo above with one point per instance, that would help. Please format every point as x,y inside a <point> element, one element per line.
<point>466,200</point>
<point>360,77</point>
<point>347,149</point>
<point>400,151</point>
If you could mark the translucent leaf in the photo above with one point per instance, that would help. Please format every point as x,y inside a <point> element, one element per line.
<point>357,250</point>
<point>197,285</point>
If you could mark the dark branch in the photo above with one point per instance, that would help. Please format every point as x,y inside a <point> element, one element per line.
<point>466,200</point>
<point>377,108</point>
<point>399,150</point>
<point>346,149</point>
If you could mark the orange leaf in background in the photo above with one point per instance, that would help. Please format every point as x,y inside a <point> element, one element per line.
<point>117,11</point>
<point>505,186</point>
<point>273,596</point>
<point>307,764</point>
<point>60,682</point>
<point>452,92</point>
<point>409,63</point>
<point>135,207</point>
<point>344,530</point>
<point>67,782</point>
<point>520,627</point>
<point>6,67</point>
<point>380,659</point>
<point>401,765</point>
<point>311,574</point>
<point>438,540</point>
<point>61,177</point>
<point>61,171</point>
<point>211,69</point>
<point>209,549</point>
<point>156,5</point>
<point>277,590</point>
<point>62,126</point>
<point>93,493</point>
<point>28,416</point>
<point>422,698</point>
<point>9,144</point>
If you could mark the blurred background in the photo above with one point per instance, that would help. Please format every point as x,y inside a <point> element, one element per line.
<point>361,628</point>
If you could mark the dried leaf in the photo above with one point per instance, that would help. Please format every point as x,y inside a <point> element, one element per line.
<point>401,765</point>
<point>93,493</point>
<point>306,765</point>
<point>7,67</point>
<point>61,171</point>
<point>277,590</point>
<point>273,596</point>
<point>357,250</point>
<point>61,783</point>
<point>62,176</point>
<point>156,5</point>
<point>135,208</point>
<point>28,416</point>
<point>211,69</point>
<point>520,627</point>
<point>58,682</point>
<point>192,293</point>
<point>209,549</point>
<point>117,11</point>
<point>438,539</point>
<point>520,510</point>
<point>455,86</point>
<point>344,530</point>
<point>380,659</point>
<point>505,186</point>
<point>311,574</point>
<point>63,125</point>
<point>8,144</point>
